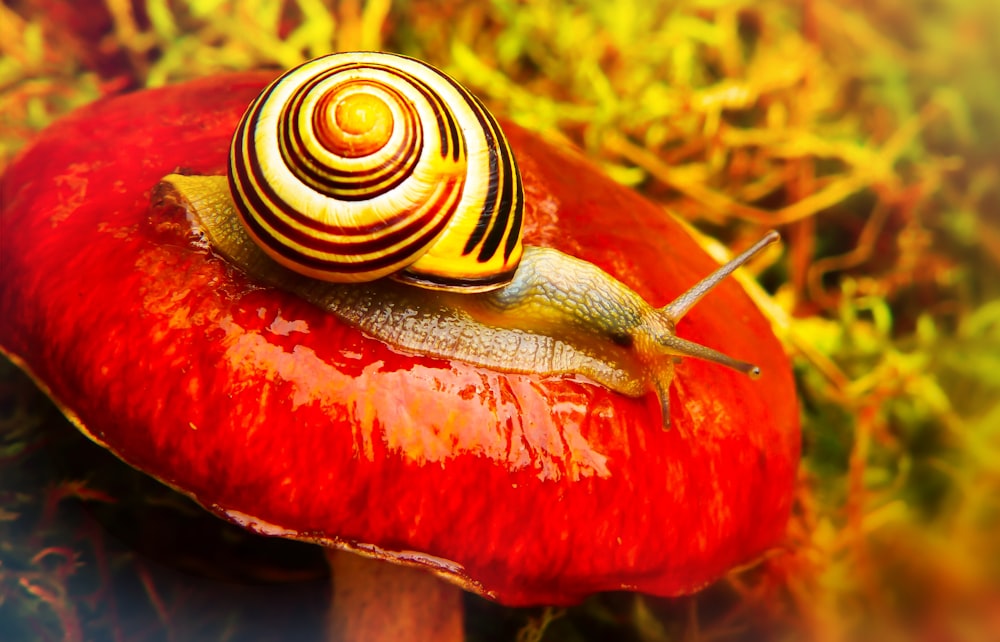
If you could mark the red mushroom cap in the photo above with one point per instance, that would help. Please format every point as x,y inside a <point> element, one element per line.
<point>524,488</point>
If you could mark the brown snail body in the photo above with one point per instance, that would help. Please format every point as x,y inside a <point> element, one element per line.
<point>530,310</point>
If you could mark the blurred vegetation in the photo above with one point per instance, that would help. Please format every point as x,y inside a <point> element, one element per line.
<point>867,132</point>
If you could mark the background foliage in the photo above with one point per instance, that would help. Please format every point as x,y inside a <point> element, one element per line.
<point>865,131</point>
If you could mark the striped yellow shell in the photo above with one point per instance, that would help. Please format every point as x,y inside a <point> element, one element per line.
<point>357,166</point>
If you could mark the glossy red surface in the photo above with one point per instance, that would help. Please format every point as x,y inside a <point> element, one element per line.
<point>526,488</point>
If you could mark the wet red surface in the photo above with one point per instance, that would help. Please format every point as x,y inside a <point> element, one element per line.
<point>529,489</point>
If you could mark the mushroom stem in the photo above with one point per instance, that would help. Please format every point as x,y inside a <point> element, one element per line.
<point>377,601</point>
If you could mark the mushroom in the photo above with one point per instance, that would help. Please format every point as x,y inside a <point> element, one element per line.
<point>271,413</point>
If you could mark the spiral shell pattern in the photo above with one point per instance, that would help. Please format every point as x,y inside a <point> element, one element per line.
<point>356,166</point>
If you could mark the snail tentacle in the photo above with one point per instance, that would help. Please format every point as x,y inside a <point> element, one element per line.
<point>677,308</point>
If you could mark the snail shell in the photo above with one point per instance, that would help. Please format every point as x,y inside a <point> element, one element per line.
<point>357,166</point>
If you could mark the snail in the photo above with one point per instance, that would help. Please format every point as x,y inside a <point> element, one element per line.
<point>379,189</point>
